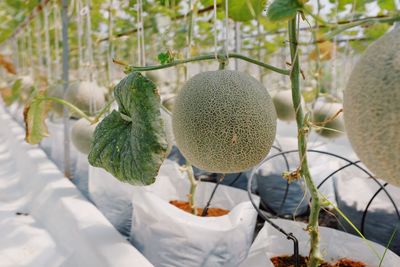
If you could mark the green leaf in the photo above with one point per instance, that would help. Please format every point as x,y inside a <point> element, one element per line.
<point>245,10</point>
<point>283,9</point>
<point>35,113</point>
<point>15,93</point>
<point>376,30</point>
<point>387,4</point>
<point>165,58</point>
<point>130,143</point>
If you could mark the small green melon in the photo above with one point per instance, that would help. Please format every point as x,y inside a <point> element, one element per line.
<point>82,135</point>
<point>372,107</point>
<point>224,121</point>
<point>284,105</point>
<point>323,112</point>
<point>87,96</point>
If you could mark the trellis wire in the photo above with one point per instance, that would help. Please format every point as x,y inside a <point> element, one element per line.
<point>215,30</point>
<point>140,34</point>
<point>238,42</point>
<point>79,35</point>
<point>226,43</point>
<point>30,50</point>
<point>47,41</point>
<point>110,46</point>
<point>89,45</point>
<point>39,50</point>
<point>57,19</point>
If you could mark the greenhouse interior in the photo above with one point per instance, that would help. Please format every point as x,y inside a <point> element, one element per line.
<point>200,133</point>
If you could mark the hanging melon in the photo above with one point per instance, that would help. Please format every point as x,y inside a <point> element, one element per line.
<point>82,135</point>
<point>224,121</point>
<point>322,116</point>
<point>372,107</point>
<point>284,105</point>
<point>87,96</point>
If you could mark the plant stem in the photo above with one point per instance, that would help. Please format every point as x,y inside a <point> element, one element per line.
<point>193,186</point>
<point>70,106</point>
<point>103,110</point>
<point>206,57</point>
<point>315,255</point>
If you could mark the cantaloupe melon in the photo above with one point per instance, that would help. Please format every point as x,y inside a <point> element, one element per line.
<point>224,121</point>
<point>82,135</point>
<point>284,105</point>
<point>87,96</point>
<point>325,111</point>
<point>372,107</point>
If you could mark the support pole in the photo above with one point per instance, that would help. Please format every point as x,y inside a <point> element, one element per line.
<point>65,75</point>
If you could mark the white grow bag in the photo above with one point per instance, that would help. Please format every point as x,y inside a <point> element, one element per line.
<point>181,239</point>
<point>168,236</point>
<point>334,245</point>
<point>354,190</point>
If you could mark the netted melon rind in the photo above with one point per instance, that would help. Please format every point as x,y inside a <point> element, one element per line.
<point>224,121</point>
<point>372,107</point>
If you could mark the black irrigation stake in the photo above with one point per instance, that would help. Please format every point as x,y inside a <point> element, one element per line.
<point>289,236</point>
<point>205,210</point>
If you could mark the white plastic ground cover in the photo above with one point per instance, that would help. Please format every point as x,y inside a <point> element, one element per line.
<point>334,245</point>
<point>354,191</point>
<point>168,236</point>
<point>44,220</point>
<point>53,149</point>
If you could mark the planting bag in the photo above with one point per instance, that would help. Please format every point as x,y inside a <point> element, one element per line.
<point>354,191</point>
<point>112,198</point>
<point>168,236</point>
<point>334,245</point>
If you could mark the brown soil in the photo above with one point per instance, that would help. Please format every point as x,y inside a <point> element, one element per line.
<point>211,212</point>
<point>288,261</point>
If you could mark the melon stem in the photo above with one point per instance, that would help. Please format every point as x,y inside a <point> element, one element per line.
<point>70,106</point>
<point>302,128</point>
<point>193,186</point>
<point>130,68</point>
